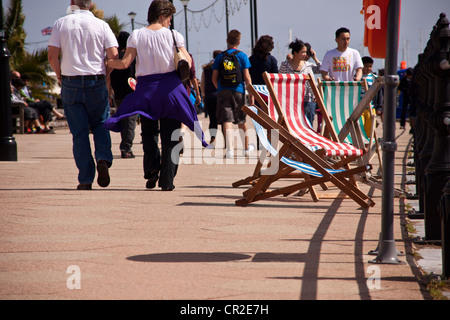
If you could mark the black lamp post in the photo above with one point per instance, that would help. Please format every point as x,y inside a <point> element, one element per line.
<point>387,253</point>
<point>226,16</point>
<point>185,3</point>
<point>253,22</point>
<point>132,15</point>
<point>8,146</point>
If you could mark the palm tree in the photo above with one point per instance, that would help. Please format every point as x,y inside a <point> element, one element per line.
<point>113,21</point>
<point>15,33</point>
<point>99,13</point>
<point>36,66</point>
<point>115,24</point>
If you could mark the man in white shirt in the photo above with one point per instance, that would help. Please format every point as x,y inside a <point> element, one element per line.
<point>342,63</point>
<point>83,41</point>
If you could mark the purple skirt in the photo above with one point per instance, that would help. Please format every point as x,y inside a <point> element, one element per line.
<point>158,96</point>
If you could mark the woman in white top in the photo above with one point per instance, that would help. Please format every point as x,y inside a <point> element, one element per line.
<point>301,53</point>
<point>159,94</point>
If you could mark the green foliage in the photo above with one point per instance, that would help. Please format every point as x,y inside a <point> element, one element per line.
<point>36,64</point>
<point>115,24</point>
<point>15,33</point>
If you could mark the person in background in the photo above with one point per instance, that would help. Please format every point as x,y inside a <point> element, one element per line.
<point>31,117</point>
<point>370,77</point>
<point>380,99</point>
<point>191,83</point>
<point>299,64</point>
<point>342,63</point>
<point>404,88</point>
<point>231,98</point>
<point>312,54</point>
<point>209,95</point>
<point>261,59</point>
<point>119,84</point>
<point>43,107</point>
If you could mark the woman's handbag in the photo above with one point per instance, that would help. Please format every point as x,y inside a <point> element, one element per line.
<point>181,63</point>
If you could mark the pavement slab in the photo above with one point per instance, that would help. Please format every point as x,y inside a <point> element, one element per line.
<point>126,242</point>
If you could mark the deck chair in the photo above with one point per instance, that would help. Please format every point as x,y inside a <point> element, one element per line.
<point>345,104</point>
<point>312,165</point>
<point>268,102</point>
<point>290,90</point>
<point>286,96</point>
<point>285,105</point>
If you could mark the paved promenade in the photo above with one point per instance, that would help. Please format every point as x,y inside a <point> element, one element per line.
<point>126,242</point>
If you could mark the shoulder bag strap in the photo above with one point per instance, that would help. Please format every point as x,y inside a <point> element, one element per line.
<point>175,42</point>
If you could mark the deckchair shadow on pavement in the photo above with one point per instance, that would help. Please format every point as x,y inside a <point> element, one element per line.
<point>285,106</point>
<point>345,105</point>
<point>287,158</point>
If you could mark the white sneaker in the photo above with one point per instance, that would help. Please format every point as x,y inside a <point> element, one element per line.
<point>229,154</point>
<point>250,149</point>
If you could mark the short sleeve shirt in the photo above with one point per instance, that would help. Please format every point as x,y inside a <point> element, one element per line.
<point>244,63</point>
<point>83,40</point>
<point>342,65</point>
<point>155,50</point>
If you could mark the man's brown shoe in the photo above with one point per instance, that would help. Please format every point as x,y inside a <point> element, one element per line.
<point>103,173</point>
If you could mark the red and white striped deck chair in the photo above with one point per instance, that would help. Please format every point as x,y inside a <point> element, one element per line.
<point>284,94</point>
<point>285,105</point>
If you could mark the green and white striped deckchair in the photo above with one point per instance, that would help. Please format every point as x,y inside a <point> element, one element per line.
<point>345,105</point>
<point>340,99</point>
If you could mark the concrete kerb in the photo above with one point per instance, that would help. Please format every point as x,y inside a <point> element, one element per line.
<point>426,255</point>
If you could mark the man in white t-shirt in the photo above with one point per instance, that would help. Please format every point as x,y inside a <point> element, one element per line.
<point>83,42</point>
<point>342,63</point>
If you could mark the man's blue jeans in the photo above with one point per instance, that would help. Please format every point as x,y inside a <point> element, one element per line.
<point>86,107</point>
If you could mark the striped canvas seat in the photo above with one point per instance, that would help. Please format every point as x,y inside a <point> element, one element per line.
<point>303,167</point>
<point>289,90</point>
<point>262,90</point>
<point>341,98</point>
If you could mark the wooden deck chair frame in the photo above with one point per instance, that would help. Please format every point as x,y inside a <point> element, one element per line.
<point>285,173</point>
<point>293,146</point>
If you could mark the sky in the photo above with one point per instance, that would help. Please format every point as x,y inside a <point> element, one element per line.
<point>311,21</point>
